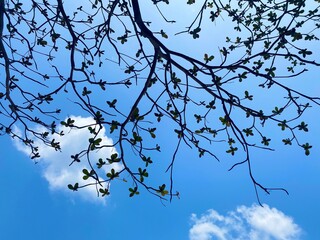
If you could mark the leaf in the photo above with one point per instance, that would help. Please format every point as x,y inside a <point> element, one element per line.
<point>123,39</point>
<point>248,132</point>
<point>283,125</point>
<point>113,158</point>
<point>136,138</point>
<point>42,42</point>
<point>265,141</point>
<point>133,191</point>
<point>195,32</point>
<point>305,52</point>
<point>247,96</point>
<point>147,160</point>
<point>68,123</point>
<point>225,121</point>
<point>114,125</point>
<point>287,141</point>
<point>129,70</point>
<point>162,190</point>
<point>55,36</point>
<point>85,177</point>
<point>151,131</point>
<point>86,92</point>
<point>94,143</point>
<point>303,126</point>
<point>232,150</point>
<point>73,187</point>
<point>198,118</point>
<point>159,116</point>
<point>207,58</point>
<point>112,174</point>
<point>271,71</point>
<point>105,192</point>
<point>163,34</point>
<point>143,173</point>
<point>100,163</point>
<point>306,148</point>
<point>277,110</point>
<point>112,104</point>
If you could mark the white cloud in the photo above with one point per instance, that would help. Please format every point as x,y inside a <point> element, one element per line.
<point>56,169</point>
<point>254,223</point>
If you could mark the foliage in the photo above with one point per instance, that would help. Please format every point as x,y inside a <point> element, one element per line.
<point>107,57</point>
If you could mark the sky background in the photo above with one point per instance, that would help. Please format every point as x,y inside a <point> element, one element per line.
<point>214,203</point>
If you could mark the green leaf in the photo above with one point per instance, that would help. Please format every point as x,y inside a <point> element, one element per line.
<point>211,105</point>
<point>198,118</point>
<point>225,121</point>
<point>123,39</point>
<point>112,174</point>
<point>129,70</point>
<point>68,123</point>
<point>248,132</point>
<point>283,125</point>
<point>113,158</point>
<point>179,133</point>
<point>105,192</point>
<point>136,138</point>
<point>305,52</point>
<point>306,148</point>
<point>159,116</point>
<point>231,141</point>
<point>133,191</point>
<point>232,150</point>
<point>87,174</point>
<point>73,187</point>
<point>163,34</point>
<point>94,143</point>
<point>147,160</point>
<point>135,115</point>
<point>143,173</point>
<point>248,96</point>
<point>55,36</point>
<point>98,117</point>
<point>271,71</point>
<point>85,171</point>
<point>195,32</point>
<point>42,42</point>
<point>151,131</point>
<point>100,163</point>
<point>114,125</point>
<point>85,177</point>
<point>112,104</point>
<point>303,126</point>
<point>162,190</point>
<point>86,92</point>
<point>277,110</point>
<point>265,141</point>
<point>207,58</point>
<point>287,141</point>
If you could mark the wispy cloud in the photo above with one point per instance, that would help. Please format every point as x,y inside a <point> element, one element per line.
<point>254,223</point>
<point>56,169</point>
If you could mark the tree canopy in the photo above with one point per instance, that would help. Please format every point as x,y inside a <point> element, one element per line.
<point>117,62</point>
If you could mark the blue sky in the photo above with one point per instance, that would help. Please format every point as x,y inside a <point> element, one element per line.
<point>33,207</point>
<point>214,203</point>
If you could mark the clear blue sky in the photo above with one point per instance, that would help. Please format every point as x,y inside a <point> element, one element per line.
<point>35,203</point>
